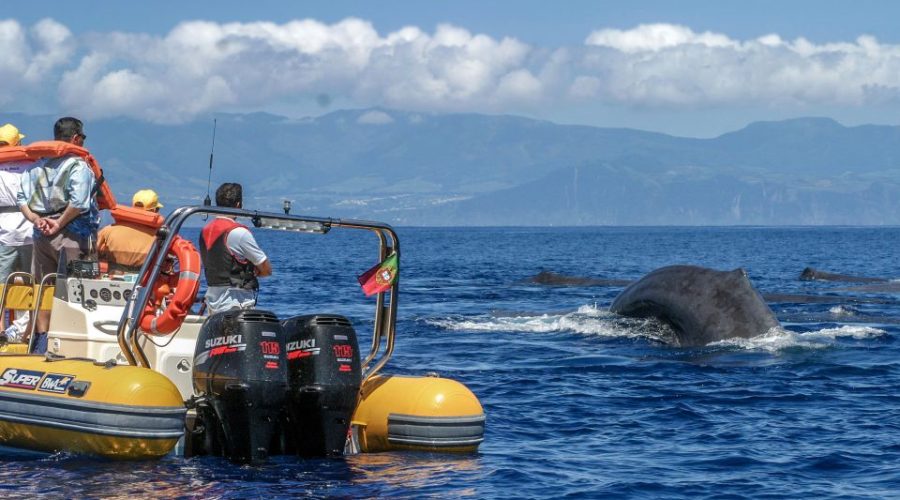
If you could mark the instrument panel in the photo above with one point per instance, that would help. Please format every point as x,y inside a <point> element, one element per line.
<point>93,292</point>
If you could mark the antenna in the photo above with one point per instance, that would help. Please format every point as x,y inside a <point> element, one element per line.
<point>206,201</point>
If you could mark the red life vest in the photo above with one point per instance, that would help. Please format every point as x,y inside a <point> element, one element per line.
<point>220,266</point>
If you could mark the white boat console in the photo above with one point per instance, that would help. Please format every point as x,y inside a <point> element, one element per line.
<point>84,324</point>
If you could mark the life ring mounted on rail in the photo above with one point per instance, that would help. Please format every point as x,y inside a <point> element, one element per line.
<point>186,287</point>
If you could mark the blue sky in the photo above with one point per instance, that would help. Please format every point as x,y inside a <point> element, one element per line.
<point>690,68</point>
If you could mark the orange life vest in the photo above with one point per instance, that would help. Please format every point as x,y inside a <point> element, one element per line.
<point>125,215</point>
<point>139,216</point>
<point>55,149</point>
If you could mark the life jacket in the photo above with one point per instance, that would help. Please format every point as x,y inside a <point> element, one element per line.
<point>57,149</point>
<point>221,266</point>
<point>123,213</point>
<point>137,218</point>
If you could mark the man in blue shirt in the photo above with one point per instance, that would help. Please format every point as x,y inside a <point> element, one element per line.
<point>58,197</point>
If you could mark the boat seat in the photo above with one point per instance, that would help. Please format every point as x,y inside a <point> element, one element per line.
<point>21,297</point>
<point>16,348</point>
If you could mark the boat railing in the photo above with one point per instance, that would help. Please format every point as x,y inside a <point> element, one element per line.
<point>47,282</point>
<point>384,330</point>
<point>21,294</point>
<point>27,280</point>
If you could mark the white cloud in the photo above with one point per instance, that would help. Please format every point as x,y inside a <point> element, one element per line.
<point>29,56</point>
<point>13,57</point>
<point>667,65</point>
<point>655,37</point>
<point>519,85</point>
<point>375,117</point>
<point>585,87</point>
<point>203,66</point>
<point>54,43</point>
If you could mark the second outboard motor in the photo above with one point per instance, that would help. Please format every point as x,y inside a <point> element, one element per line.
<point>324,376</point>
<point>240,372</point>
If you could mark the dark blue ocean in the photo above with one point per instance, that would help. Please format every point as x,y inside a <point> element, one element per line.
<point>579,402</point>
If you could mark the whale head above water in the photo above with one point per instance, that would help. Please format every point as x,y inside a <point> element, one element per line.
<point>701,305</point>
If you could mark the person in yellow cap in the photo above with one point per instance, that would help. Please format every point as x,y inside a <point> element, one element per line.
<point>124,246</point>
<point>10,136</point>
<point>15,230</point>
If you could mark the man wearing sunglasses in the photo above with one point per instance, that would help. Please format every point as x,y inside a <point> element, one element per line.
<point>58,196</point>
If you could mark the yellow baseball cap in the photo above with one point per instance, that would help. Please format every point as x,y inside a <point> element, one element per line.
<point>146,199</point>
<point>10,135</point>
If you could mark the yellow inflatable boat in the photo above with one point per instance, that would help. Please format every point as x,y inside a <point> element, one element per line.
<point>417,413</point>
<point>133,372</point>
<point>103,409</point>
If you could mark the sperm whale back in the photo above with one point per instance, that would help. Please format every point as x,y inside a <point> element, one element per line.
<point>702,305</point>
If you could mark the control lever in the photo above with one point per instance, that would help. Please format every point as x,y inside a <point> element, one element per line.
<point>87,304</point>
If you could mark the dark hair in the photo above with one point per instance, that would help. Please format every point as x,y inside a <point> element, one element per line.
<point>229,195</point>
<point>66,127</point>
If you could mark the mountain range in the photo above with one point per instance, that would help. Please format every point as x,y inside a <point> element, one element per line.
<point>410,168</point>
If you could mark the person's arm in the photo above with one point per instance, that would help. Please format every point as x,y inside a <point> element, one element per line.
<point>38,221</point>
<point>22,201</point>
<point>264,268</point>
<point>78,190</point>
<point>102,242</point>
<point>248,248</point>
<point>54,226</point>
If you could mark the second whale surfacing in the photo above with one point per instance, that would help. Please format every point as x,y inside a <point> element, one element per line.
<point>701,305</point>
<point>551,278</point>
<point>810,274</point>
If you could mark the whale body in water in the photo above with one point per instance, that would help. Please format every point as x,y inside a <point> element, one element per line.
<point>551,278</point>
<point>810,274</point>
<point>701,305</point>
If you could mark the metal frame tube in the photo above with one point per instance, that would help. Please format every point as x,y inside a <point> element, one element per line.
<point>10,280</point>
<point>152,266</point>
<point>379,308</point>
<point>37,305</point>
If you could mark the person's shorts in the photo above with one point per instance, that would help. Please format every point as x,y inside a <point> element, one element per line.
<point>47,251</point>
<point>220,298</point>
<point>14,259</point>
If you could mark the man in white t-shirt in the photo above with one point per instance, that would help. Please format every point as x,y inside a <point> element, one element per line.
<point>15,230</point>
<point>232,259</point>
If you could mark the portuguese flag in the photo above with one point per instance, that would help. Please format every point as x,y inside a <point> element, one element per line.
<point>380,277</point>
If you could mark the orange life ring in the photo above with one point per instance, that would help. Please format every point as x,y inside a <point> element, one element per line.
<point>186,288</point>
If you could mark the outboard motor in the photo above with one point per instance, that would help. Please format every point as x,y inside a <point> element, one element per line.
<point>241,374</point>
<point>324,378</point>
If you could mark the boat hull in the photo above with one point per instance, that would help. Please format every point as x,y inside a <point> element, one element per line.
<point>79,406</point>
<point>417,413</point>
